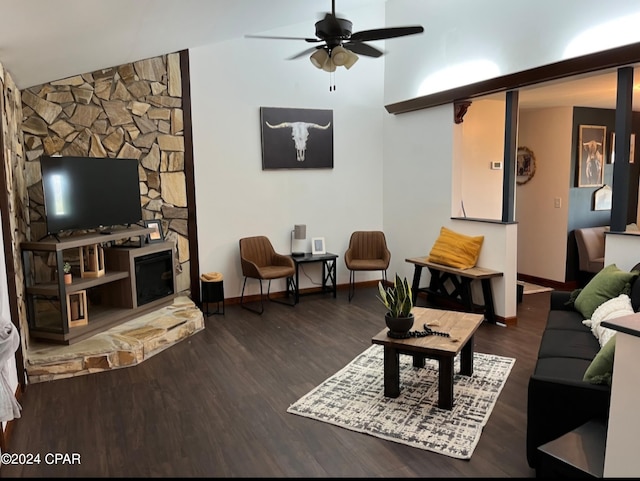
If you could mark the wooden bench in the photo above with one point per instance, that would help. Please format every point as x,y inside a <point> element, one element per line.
<point>459,288</point>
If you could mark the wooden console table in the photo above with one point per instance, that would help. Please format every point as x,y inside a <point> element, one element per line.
<point>458,289</point>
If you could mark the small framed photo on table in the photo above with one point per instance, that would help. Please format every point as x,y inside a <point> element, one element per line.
<point>156,235</point>
<point>317,246</point>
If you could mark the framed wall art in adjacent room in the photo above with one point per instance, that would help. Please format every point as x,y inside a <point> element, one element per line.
<point>296,138</point>
<point>525,165</point>
<point>632,148</point>
<point>591,155</point>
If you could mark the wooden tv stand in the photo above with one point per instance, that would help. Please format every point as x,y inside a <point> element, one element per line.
<point>111,294</point>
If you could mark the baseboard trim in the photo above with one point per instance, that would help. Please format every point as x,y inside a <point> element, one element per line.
<point>557,285</point>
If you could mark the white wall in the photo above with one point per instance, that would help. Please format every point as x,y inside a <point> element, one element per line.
<point>542,233</point>
<point>417,182</point>
<point>474,40</point>
<point>236,198</point>
<point>482,141</point>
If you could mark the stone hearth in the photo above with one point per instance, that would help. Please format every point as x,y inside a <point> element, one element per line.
<point>124,345</point>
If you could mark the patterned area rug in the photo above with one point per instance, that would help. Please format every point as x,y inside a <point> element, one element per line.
<point>353,398</point>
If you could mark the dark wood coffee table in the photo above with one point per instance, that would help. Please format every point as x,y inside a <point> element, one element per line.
<point>461,327</point>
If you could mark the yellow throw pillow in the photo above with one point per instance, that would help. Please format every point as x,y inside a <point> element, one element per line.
<point>456,250</point>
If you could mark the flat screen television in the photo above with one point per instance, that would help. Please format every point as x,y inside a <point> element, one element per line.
<point>90,193</point>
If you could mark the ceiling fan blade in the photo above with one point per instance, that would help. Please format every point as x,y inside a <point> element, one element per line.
<point>306,39</point>
<point>363,49</point>
<point>384,33</point>
<point>304,53</point>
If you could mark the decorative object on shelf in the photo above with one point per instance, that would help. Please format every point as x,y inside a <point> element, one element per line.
<point>68,277</point>
<point>399,302</point>
<point>590,156</point>
<point>298,240</point>
<point>525,165</point>
<point>77,309</point>
<point>311,131</point>
<point>91,261</point>
<point>632,148</point>
<point>156,235</point>
<point>317,246</point>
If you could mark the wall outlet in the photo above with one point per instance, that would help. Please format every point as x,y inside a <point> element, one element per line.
<point>496,165</point>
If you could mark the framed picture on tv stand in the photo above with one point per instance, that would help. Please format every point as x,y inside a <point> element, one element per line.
<point>156,235</point>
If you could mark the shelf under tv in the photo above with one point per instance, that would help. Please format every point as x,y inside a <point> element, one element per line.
<point>100,319</point>
<point>111,296</point>
<point>80,240</point>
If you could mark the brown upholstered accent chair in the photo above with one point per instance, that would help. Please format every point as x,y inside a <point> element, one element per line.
<point>590,241</point>
<point>367,252</point>
<point>260,261</point>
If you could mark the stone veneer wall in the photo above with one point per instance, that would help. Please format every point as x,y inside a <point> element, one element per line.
<point>130,111</point>
<point>16,217</point>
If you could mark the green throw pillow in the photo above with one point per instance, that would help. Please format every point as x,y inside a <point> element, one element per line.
<point>610,282</point>
<point>601,368</point>
<point>572,297</point>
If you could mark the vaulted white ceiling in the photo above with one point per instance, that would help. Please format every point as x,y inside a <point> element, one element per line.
<point>44,40</point>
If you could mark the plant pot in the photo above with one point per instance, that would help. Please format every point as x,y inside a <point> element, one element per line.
<point>68,278</point>
<point>399,325</point>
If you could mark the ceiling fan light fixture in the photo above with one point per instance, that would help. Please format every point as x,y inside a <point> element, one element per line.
<point>329,66</point>
<point>339,55</point>
<point>351,59</point>
<point>319,58</point>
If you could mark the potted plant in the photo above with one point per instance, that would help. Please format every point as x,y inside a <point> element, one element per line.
<point>399,302</point>
<point>67,273</point>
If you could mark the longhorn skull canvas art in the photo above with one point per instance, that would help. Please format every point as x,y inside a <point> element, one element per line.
<point>591,158</point>
<point>296,138</point>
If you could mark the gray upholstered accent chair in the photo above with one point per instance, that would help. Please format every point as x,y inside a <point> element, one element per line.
<point>367,252</point>
<point>590,241</point>
<point>260,261</point>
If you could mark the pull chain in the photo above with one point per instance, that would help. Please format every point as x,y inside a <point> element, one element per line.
<point>332,82</point>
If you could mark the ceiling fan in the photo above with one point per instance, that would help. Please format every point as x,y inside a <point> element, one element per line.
<point>339,46</point>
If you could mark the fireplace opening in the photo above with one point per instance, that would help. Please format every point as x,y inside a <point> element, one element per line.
<point>154,277</point>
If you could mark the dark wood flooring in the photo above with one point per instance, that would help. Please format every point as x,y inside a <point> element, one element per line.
<point>215,405</point>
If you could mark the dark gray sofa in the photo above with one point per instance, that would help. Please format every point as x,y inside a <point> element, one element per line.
<point>558,399</point>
